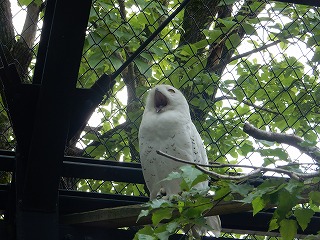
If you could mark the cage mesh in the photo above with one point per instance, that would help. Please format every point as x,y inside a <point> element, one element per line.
<point>250,61</point>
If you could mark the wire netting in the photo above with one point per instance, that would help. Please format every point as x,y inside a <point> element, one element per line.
<point>235,62</point>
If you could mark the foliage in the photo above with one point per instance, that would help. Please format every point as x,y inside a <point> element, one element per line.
<point>245,61</point>
<point>180,211</point>
<point>188,208</point>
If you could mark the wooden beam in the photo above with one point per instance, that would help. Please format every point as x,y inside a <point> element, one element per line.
<point>127,216</point>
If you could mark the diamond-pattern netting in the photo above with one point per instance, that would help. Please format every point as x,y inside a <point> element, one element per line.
<point>271,80</point>
<point>250,61</point>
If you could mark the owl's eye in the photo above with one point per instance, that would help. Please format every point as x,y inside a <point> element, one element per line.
<point>171,90</point>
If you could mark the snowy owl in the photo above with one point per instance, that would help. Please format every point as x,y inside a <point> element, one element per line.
<point>167,126</point>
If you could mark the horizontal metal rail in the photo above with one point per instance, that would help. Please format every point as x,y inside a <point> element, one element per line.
<point>88,168</point>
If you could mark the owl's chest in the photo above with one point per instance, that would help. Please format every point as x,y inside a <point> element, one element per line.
<point>177,142</point>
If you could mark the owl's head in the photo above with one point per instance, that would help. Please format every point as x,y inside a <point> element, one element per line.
<point>164,98</point>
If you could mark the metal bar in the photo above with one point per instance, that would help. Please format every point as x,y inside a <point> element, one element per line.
<point>90,169</point>
<point>101,162</point>
<point>75,201</point>
<point>6,163</point>
<point>39,163</point>
<point>102,172</point>
<point>45,35</point>
<point>259,223</point>
<point>84,232</point>
<point>51,125</point>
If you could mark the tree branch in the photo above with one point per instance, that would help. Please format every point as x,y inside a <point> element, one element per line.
<point>226,53</point>
<point>6,29</point>
<point>198,15</point>
<point>245,102</point>
<point>122,9</point>
<point>22,50</point>
<point>256,171</point>
<point>29,30</point>
<point>290,139</point>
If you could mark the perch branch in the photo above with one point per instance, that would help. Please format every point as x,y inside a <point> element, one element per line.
<point>257,170</point>
<point>290,139</point>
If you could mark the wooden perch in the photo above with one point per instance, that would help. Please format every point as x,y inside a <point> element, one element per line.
<point>127,216</point>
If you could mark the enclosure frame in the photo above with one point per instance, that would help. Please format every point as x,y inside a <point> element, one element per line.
<point>34,212</point>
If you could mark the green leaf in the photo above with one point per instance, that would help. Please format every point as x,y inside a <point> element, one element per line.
<point>311,136</point>
<point>258,204</point>
<point>286,202</point>
<point>196,209</point>
<point>25,2</point>
<point>227,23</point>
<point>160,214</point>
<point>226,2</point>
<point>162,233</point>
<point>249,29</point>
<point>213,35</point>
<point>145,233</point>
<point>246,148</point>
<point>242,189</point>
<point>143,213</point>
<point>233,41</point>
<point>172,176</point>
<point>273,225</point>
<point>315,197</point>
<point>294,186</point>
<point>222,192</point>
<point>172,226</point>
<point>158,203</point>
<point>288,229</point>
<point>303,216</point>
<point>277,152</point>
<point>308,143</point>
<point>267,161</point>
<point>316,56</point>
<point>191,176</point>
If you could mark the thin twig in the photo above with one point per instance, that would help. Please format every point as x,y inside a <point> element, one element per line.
<point>259,49</point>
<point>257,170</point>
<point>246,103</point>
<point>229,177</point>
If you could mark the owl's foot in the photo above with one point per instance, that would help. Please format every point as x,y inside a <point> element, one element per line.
<point>162,194</point>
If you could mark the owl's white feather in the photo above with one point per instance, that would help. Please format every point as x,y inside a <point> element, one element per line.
<point>167,126</point>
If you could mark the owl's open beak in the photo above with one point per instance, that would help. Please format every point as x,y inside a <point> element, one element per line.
<point>160,100</point>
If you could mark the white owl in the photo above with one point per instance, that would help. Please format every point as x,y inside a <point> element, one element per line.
<point>167,126</point>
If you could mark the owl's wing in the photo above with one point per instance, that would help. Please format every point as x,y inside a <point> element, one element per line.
<point>198,146</point>
<point>201,157</point>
